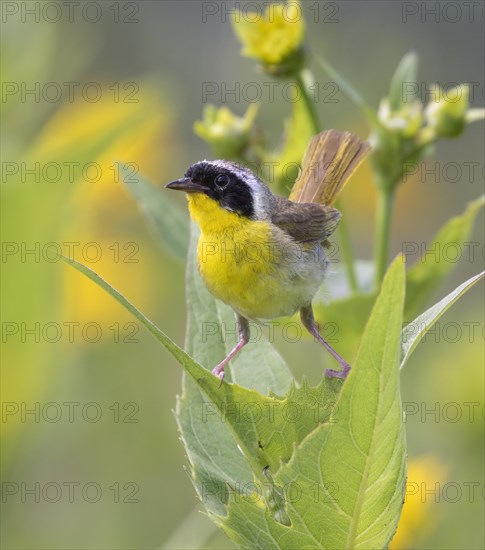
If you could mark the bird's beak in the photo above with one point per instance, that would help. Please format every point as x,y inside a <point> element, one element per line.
<point>187,185</point>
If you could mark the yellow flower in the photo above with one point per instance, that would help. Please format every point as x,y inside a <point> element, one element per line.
<point>227,134</point>
<point>274,38</point>
<point>425,481</point>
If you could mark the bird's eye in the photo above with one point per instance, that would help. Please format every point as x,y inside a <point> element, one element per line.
<point>222,180</point>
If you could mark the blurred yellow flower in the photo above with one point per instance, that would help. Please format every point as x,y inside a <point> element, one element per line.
<point>227,134</point>
<point>90,142</point>
<point>426,476</point>
<point>275,38</point>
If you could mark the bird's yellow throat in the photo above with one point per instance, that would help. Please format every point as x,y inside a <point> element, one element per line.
<point>220,227</point>
<point>211,217</point>
<point>234,257</point>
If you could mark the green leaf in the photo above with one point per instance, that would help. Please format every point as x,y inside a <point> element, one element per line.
<point>433,265</point>
<point>406,72</point>
<point>261,427</point>
<point>298,441</point>
<point>230,397</point>
<point>165,218</point>
<point>344,484</point>
<point>414,331</point>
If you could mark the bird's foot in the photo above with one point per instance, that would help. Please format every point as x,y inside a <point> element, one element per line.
<point>331,373</point>
<point>219,372</point>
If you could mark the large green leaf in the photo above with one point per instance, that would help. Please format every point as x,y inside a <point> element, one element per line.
<point>261,426</point>
<point>342,451</point>
<point>166,219</point>
<point>344,484</point>
<point>414,331</point>
<point>438,259</point>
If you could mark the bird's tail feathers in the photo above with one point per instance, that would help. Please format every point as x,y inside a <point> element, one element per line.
<point>330,159</point>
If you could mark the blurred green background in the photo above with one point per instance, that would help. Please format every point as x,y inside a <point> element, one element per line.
<point>90,450</point>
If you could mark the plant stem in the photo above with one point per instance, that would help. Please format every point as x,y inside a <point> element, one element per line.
<point>385,202</point>
<point>304,79</point>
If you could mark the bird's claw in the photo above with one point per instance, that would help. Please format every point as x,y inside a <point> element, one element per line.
<point>331,373</point>
<point>221,378</point>
<point>219,372</point>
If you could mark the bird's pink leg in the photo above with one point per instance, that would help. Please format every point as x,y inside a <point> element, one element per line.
<point>243,330</point>
<point>306,315</point>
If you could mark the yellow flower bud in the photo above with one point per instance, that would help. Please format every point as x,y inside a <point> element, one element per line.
<point>446,111</point>
<point>226,133</point>
<point>275,39</point>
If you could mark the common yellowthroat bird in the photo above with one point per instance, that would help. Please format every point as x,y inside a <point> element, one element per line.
<point>264,255</point>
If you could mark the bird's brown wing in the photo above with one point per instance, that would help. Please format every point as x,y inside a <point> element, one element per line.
<point>305,222</point>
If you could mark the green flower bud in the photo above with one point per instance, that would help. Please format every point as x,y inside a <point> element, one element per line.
<point>446,112</point>
<point>406,121</point>
<point>227,134</point>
